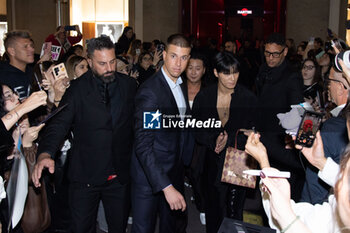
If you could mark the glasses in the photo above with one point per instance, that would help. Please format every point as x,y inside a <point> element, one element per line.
<point>310,67</point>
<point>328,80</point>
<point>274,54</point>
<point>147,58</point>
<point>9,95</point>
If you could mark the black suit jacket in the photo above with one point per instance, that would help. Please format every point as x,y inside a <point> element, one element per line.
<point>242,113</point>
<point>102,144</point>
<point>159,154</point>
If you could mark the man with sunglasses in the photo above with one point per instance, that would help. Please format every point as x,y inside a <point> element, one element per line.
<point>278,87</point>
<point>334,137</point>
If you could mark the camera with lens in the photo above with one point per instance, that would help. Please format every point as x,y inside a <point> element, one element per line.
<point>345,56</point>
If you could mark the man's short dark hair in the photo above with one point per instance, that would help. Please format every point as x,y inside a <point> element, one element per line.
<point>11,37</point>
<point>225,62</point>
<point>200,56</point>
<point>276,38</point>
<point>178,40</point>
<point>99,43</point>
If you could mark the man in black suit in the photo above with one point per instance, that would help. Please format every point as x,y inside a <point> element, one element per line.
<point>334,137</point>
<point>278,87</point>
<point>99,112</point>
<point>157,166</point>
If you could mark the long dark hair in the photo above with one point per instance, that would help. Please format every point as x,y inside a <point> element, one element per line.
<point>126,29</point>
<point>318,74</point>
<point>2,101</point>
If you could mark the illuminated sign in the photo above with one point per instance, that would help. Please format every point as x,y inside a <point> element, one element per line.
<point>244,12</point>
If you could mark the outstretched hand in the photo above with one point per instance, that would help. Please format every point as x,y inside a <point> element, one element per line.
<point>256,149</point>
<point>278,190</point>
<point>44,161</point>
<point>35,100</point>
<point>31,134</point>
<point>315,154</point>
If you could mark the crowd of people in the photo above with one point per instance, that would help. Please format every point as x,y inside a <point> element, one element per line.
<point>93,162</point>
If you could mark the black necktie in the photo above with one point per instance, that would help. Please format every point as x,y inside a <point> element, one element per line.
<point>105,94</point>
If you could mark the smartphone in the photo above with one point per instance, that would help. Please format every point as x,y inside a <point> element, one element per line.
<point>308,128</point>
<point>311,40</point>
<point>160,47</point>
<point>59,71</point>
<point>320,100</point>
<point>133,68</point>
<point>320,54</point>
<point>69,28</point>
<point>329,32</point>
<point>336,43</point>
<point>138,51</point>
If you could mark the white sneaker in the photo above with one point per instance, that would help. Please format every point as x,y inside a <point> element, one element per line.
<point>130,220</point>
<point>202,218</point>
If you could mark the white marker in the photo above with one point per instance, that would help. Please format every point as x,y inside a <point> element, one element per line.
<point>272,174</point>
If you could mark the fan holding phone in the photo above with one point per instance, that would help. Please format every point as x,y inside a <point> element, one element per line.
<point>333,132</point>
<point>55,81</point>
<point>61,38</point>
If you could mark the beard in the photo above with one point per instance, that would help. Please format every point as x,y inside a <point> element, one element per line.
<point>107,77</point>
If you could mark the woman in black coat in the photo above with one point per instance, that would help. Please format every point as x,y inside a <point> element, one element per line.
<point>125,39</point>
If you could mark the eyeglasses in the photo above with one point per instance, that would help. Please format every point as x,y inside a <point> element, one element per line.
<point>310,67</point>
<point>9,95</point>
<point>328,80</point>
<point>147,58</point>
<point>274,54</point>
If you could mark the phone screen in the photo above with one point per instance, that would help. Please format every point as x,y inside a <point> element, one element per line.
<point>311,40</point>
<point>308,128</point>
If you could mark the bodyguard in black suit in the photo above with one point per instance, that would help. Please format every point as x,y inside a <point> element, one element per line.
<point>99,111</point>
<point>157,166</point>
<point>278,87</point>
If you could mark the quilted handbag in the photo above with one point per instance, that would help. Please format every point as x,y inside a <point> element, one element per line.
<point>236,161</point>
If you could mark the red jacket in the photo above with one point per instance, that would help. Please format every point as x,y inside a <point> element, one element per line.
<point>72,40</point>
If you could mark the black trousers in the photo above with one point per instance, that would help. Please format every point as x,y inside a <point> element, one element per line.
<point>146,206</point>
<point>84,200</point>
<point>222,199</point>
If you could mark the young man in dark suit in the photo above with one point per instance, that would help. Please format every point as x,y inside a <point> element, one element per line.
<point>157,166</point>
<point>99,112</point>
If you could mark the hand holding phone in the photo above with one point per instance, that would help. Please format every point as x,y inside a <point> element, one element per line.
<point>69,28</point>
<point>311,40</point>
<point>308,128</point>
<point>59,71</point>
